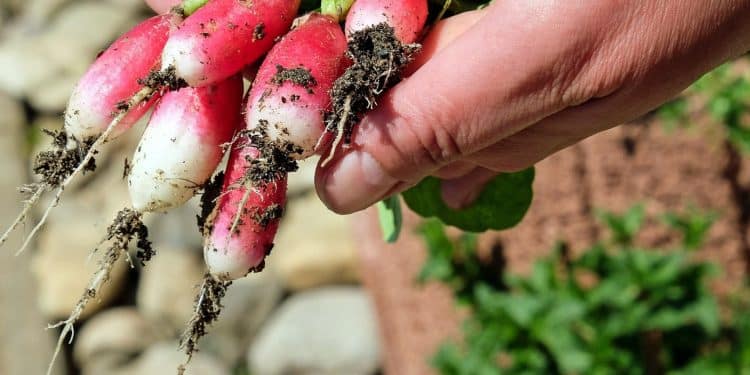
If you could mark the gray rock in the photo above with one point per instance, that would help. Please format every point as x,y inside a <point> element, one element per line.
<point>24,66</point>
<point>164,358</point>
<point>91,25</point>
<point>303,180</point>
<point>326,331</point>
<point>178,228</point>
<point>168,287</point>
<point>119,333</point>
<point>310,253</point>
<point>247,305</point>
<point>53,97</point>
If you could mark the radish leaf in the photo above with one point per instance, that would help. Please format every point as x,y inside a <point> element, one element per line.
<point>501,205</point>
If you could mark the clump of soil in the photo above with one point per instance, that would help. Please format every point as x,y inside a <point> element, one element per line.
<point>207,309</point>
<point>163,79</point>
<point>379,59</point>
<point>275,160</point>
<point>211,193</point>
<point>259,32</point>
<point>271,213</point>
<point>126,227</point>
<point>55,165</point>
<point>299,76</point>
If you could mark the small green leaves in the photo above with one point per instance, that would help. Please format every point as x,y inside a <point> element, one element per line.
<point>336,8</point>
<point>190,6</point>
<point>502,204</point>
<point>389,213</point>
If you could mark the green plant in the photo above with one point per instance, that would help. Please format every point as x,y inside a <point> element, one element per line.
<point>618,308</point>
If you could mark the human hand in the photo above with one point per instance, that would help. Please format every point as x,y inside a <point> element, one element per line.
<point>500,89</point>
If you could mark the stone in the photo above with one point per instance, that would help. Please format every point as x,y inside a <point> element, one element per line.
<point>120,333</point>
<point>91,25</point>
<point>179,228</point>
<point>326,331</point>
<point>247,306</point>
<point>53,97</point>
<point>311,253</point>
<point>164,358</point>
<point>168,286</point>
<point>24,66</point>
<point>303,180</point>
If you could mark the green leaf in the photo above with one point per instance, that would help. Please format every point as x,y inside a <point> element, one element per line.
<point>336,8</point>
<point>501,205</point>
<point>389,213</point>
<point>190,6</point>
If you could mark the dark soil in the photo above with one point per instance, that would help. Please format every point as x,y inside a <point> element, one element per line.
<point>163,80</point>
<point>379,59</point>
<point>211,193</point>
<point>275,159</point>
<point>271,213</point>
<point>56,165</point>
<point>299,76</point>
<point>259,33</point>
<point>127,226</point>
<point>207,310</point>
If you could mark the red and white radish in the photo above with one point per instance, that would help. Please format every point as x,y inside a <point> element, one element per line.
<point>113,79</point>
<point>224,36</point>
<point>290,95</point>
<point>246,219</point>
<point>407,17</point>
<point>183,144</point>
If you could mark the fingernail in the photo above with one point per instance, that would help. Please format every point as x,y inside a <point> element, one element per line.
<point>355,182</point>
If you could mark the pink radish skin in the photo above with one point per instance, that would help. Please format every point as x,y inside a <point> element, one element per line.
<point>163,6</point>
<point>231,255</point>
<point>224,36</point>
<point>113,78</point>
<point>407,17</point>
<point>294,113</point>
<point>182,145</point>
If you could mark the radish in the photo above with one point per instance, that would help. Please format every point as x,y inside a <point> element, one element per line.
<point>182,145</point>
<point>246,219</point>
<point>224,36</point>
<point>114,78</point>
<point>407,17</point>
<point>291,91</point>
<point>381,35</point>
<point>285,120</point>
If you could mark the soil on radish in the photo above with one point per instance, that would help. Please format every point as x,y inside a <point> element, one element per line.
<point>211,193</point>
<point>259,32</point>
<point>275,159</point>
<point>55,165</point>
<point>271,213</point>
<point>127,226</point>
<point>163,79</point>
<point>379,59</point>
<point>299,76</point>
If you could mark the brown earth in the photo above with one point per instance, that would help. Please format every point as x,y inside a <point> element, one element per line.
<point>641,162</point>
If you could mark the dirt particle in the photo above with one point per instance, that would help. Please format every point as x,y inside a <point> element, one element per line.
<point>163,79</point>
<point>259,32</point>
<point>126,169</point>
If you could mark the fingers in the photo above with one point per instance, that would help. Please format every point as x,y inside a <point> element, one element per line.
<point>162,6</point>
<point>475,89</point>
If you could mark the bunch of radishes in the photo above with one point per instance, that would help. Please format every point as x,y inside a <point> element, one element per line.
<point>188,64</point>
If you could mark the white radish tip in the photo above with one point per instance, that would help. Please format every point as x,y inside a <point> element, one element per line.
<point>225,266</point>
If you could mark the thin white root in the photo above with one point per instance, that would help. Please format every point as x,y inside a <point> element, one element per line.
<point>339,131</point>
<point>238,215</point>
<point>28,205</point>
<point>139,97</point>
<point>93,289</point>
